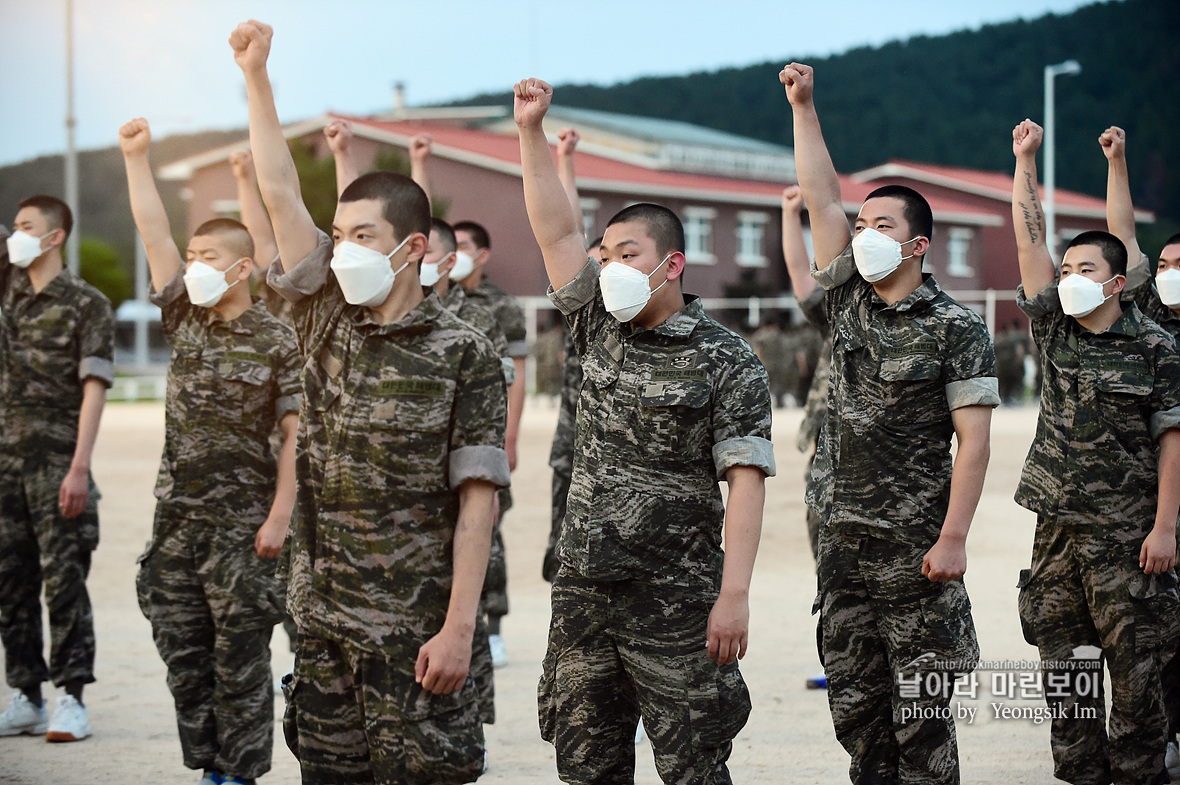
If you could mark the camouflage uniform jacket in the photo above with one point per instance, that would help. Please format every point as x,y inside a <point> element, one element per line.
<point>561,454</point>
<point>50,342</point>
<point>229,383</point>
<point>898,371</point>
<point>395,418</point>
<point>663,413</point>
<point>478,316</point>
<point>503,306</point>
<point>1105,401</point>
<point>816,406</point>
<point>1140,289</point>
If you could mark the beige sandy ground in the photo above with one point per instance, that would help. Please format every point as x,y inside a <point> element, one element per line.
<point>789,737</point>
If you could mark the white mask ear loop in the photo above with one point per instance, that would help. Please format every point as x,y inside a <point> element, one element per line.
<point>395,250</point>
<point>658,266</point>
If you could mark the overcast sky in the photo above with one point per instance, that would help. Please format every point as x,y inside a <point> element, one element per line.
<point>168,60</point>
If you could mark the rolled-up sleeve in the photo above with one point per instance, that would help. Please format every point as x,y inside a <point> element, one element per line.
<point>980,391</point>
<point>479,462</point>
<point>97,342</point>
<point>838,272</point>
<point>578,293</point>
<point>479,418</point>
<point>744,451</point>
<point>307,277</point>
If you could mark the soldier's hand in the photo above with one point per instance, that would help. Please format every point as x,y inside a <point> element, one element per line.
<point>339,136</point>
<point>946,561</point>
<point>567,141</point>
<point>1158,553</point>
<point>74,493</point>
<point>443,662</point>
<point>793,199</point>
<point>421,148</point>
<point>729,624</point>
<point>1026,138</point>
<point>242,162</point>
<point>530,102</point>
<point>251,44</point>
<point>135,136</point>
<point>799,82</point>
<point>268,541</point>
<point>1114,142</point>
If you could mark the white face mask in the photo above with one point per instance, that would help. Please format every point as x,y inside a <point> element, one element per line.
<point>625,290</point>
<point>24,248</point>
<point>876,254</point>
<point>206,284</point>
<point>364,275</point>
<point>464,266</point>
<point>1080,296</point>
<point>1167,286</point>
<point>429,274</point>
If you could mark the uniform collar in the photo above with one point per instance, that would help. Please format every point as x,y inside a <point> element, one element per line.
<point>421,317</point>
<point>61,283</point>
<point>926,291</point>
<point>1128,323</point>
<point>247,322</point>
<point>680,324</point>
<point>455,297</point>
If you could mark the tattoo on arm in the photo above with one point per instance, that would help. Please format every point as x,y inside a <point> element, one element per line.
<point>1034,219</point>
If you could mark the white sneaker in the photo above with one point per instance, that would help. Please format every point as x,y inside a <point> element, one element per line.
<point>70,721</point>
<point>1172,761</point>
<point>499,651</point>
<point>22,717</point>
<point>639,734</point>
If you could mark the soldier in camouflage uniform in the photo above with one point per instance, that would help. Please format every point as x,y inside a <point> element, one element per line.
<point>257,222</point>
<point>1103,476</point>
<point>561,452</point>
<point>909,368</point>
<point>400,453</point>
<point>776,352</point>
<point>56,352</point>
<point>436,264</point>
<point>1160,303</point>
<point>207,577</point>
<point>472,240</point>
<point>670,402</point>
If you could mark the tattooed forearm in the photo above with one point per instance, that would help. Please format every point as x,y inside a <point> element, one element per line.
<point>1034,219</point>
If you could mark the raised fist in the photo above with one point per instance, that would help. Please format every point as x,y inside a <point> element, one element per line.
<point>567,141</point>
<point>1026,138</point>
<point>799,82</point>
<point>339,135</point>
<point>135,136</point>
<point>530,102</point>
<point>251,44</point>
<point>420,148</point>
<point>242,162</point>
<point>793,199</point>
<point>1114,142</point>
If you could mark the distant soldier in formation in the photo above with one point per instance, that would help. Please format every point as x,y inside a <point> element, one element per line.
<point>56,362</point>
<point>1011,350</point>
<point>207,578</point>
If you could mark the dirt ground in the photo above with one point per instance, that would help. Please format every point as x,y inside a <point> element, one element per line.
<point>789,737</point>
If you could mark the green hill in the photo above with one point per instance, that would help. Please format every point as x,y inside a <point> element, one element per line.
<point>954,99</point>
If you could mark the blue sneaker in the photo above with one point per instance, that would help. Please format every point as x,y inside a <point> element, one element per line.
<point>230,779</point>
<point>210,777</point>
<point>819,682</point>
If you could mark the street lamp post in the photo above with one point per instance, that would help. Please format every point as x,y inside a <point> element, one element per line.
<point>1069,68</point>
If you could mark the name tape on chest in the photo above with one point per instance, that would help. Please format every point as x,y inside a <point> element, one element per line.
<point>416,387</point>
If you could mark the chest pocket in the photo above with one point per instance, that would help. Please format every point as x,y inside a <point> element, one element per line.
<point>417,405</point>
<point>910,368</point>
<point>50,331</point>
<point>674,420</point>
<point>1124,377</point>
<point>247,383</point>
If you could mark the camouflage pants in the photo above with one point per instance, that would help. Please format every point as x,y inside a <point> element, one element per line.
<point>622,649</point>
<point>883,624</point>
<point>40,546</point>
<point>560,495</point>
<point>213,603</point>
<point>360,718</point>
<point>1086,590</point>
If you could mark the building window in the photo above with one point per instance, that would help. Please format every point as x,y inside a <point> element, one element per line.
<point>958,251</point>
<point>698,235</point>
<point>751,232</point>
<point>589,208</point>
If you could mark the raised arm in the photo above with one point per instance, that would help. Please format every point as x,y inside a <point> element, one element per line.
<point>1028,220</point>
<point>1120,212</point>
<point>813,165</point>
<point>338,133</point>
<point>567,142</point>
<point>254,215</point>
<point>295,231</point>
<point>562,243</point>
<point>794,249</point>
<point>147,208</point>
<point>420,151</point>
